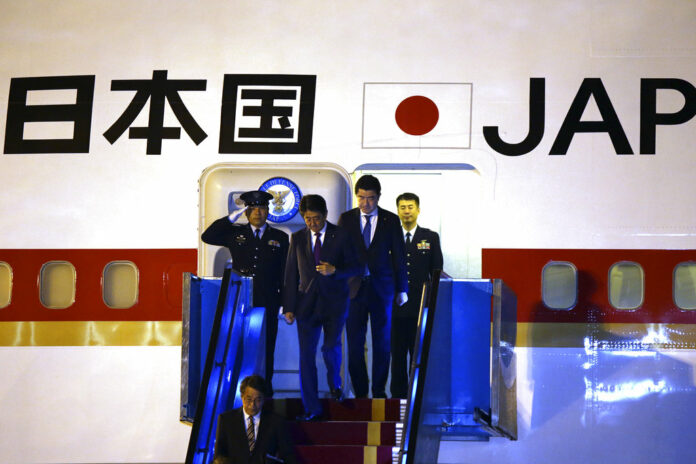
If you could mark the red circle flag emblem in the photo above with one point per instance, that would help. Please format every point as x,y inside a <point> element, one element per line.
<point>417,115</point>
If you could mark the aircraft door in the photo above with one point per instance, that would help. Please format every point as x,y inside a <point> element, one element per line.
<point>450,197</point>
<point>450,200</point>
<point>220,187</point>
<point>222,184</point>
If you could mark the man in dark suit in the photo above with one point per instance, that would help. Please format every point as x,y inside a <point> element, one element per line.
<point>376,234</point>
<point>320,261</point>
<point>258,250</point>
<point>423,256</point>
<point>247,435</point>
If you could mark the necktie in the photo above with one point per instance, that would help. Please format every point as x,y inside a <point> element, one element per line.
<point>250,434</point>
<point>367,230</point>
<point>258,234</point>
<point>408,238</point>
<point>317,248</point>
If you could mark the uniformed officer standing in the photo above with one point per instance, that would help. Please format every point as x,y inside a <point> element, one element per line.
<point>258,250</point>
<point>423,256</point>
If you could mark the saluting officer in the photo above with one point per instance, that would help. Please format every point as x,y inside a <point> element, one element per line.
<point>258,250</point>
<point>423,256</point>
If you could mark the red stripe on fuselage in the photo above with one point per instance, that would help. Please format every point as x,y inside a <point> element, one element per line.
<point>521,270</point>
<point>160,284</point>
<point>159,294</point>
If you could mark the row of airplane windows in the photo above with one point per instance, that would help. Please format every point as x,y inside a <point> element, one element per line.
<point>120,282</point>
<point>626,285</point>
<point>57,284</point>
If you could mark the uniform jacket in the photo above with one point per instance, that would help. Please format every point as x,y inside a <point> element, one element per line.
<point>385,258</point>
<point>264,261</point>
<point>232,447</point>
<point>304,285</point>
<point>423,256</point>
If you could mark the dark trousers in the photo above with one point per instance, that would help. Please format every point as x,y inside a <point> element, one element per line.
<point>271,335</point>
<point>369,304</point>
<point>308,332</point>
<point>402,342</point>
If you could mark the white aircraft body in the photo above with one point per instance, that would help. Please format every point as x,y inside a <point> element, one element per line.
<point>560,125</point>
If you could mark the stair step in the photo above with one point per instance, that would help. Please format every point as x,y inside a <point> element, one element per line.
<point>323,454</point>
<point>344,433</point>
<point>351,409</point>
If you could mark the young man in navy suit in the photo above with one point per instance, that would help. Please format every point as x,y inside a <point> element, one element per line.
<point>423,256</point>
<point>320,261</point>
<point>376,234</point>
<point>258,250</point>
<point>247,435</point>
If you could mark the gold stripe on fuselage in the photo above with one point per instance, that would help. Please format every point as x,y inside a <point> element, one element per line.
<point>90,333</point>
<point>611,336</point>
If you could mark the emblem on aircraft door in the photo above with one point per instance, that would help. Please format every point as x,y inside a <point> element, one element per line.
<point>286,198</point>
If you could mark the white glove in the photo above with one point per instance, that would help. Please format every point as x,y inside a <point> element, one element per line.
<point>401,298</point>
<point>236,214</point>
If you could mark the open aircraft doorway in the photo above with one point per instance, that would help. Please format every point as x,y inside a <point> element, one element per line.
<point>221,185</point>
<point>450,198</point>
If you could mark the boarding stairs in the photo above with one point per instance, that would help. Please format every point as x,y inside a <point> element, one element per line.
<point>354,431</point>
<point>470,380</point>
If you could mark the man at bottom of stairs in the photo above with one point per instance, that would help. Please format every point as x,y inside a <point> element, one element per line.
<point>250,435</point>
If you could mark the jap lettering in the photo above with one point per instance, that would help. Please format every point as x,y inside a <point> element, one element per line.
<point>593,88</point>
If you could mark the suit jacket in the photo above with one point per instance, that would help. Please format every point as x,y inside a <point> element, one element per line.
<point>304,286</point>
<point>386,256</point>
<point>423,256</point>
<point>264,261</point>
<point>232,447</point>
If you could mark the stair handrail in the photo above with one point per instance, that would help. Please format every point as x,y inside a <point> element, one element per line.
<point>419,362</point>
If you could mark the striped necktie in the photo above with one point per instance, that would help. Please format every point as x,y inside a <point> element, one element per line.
<point>250,434</point>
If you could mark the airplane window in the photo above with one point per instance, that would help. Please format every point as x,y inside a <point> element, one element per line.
<point>5,284</point>
<point>57,284</point>
<point>120,284</point>
<point>684,285</point>
<point>626,285</point>
<point>559,285</point>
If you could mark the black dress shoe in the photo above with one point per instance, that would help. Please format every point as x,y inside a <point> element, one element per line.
<point>337,394</point>
<point>308,417</point>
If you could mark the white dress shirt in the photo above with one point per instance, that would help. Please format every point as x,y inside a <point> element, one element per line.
<point>321,238</point>
<point>261,229</point>
<point>412,232</point>
<point>257,421</point>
